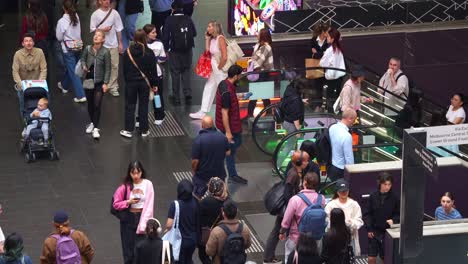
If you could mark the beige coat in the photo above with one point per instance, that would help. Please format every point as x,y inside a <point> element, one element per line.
<point>29,66</point>
<point>215,244</point>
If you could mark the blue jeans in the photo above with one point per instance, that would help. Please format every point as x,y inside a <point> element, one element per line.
<point>231,159</point>
<point>129,22</point>
<point>70,59</point>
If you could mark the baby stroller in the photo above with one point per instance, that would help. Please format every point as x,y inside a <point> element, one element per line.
<point>35,143</point>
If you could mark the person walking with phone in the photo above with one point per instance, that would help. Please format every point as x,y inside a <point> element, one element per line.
<point>215,44</point>
<point>140,76</point>
<point>136,197</point>
<point>109,21</point>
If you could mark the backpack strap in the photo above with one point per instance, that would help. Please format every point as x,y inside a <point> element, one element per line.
<point>225,229</point>
<point>304,198</point>
<point>240,228</point>
<point>399,75</point>
<point>319,200</point>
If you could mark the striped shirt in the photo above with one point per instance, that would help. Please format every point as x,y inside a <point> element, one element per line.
<point>441,215</point>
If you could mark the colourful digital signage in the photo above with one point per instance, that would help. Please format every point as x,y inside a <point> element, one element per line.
<point>249,16</point>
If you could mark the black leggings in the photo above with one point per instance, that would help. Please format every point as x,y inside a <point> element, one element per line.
<point>136,90</point>
<point>333,92</point>
<point>94,98</point>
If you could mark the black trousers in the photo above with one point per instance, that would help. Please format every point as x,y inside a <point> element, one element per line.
<point>180,64</point>
<point>186,251</point>
<point>253,103</point>
<point>159,112</point>
<point>129,237</point>
<point>272,240</point>
<point>204,258</point>
<point>333,91</point>
<point>94,98</point>
<point>136,90</point>
<point>159,19</point>
<point>335,173</point>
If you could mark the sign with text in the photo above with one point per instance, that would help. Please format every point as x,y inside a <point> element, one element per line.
<point>428,161</point>
<point>447,135</point>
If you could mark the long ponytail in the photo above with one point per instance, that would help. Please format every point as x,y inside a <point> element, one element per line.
<point>69,6</point>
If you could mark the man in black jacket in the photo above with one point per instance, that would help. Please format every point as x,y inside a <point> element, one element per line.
<point>383,211</point>
<point>178,37</point>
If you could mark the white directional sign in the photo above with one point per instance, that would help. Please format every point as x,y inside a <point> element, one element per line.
<point>446,135</point>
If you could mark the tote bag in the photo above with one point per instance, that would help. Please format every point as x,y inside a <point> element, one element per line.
<point>174,236</point>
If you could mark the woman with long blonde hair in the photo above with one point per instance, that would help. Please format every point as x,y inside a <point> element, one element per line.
<point>215,43</point>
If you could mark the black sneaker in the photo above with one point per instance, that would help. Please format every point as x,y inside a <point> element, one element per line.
<point>237,179</point>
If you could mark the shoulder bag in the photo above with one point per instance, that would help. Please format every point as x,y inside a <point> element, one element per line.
<point>105,18</point>
<point>122,215</point>
<point>174,236</point>
<point>206,231</point>
<point>234,52</point>
<point>151,93</point>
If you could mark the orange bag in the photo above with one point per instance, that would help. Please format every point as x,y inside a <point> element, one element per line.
<point>203,67</point>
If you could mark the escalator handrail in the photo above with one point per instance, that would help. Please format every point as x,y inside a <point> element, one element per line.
<point>254,124</point>
<point>309,130</point>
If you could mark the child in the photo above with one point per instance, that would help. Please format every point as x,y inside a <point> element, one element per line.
<point>42,111</point>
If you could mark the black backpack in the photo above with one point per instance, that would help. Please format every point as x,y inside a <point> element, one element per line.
<point>411,84</point>
<point>323,144</point>
<point>182,37</point>
<point>234,246</point>
<point>280,110</point>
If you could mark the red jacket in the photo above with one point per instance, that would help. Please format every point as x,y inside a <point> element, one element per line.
<point>234,113</point>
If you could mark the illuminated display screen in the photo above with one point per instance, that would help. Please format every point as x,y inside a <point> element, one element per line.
<point>250,16</point>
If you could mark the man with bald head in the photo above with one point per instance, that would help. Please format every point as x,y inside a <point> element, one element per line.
<point>209,149</point>
<point>341,144</point>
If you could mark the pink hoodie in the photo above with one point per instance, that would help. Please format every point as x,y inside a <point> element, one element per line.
<point>293,214</point>
<point>120,203</point>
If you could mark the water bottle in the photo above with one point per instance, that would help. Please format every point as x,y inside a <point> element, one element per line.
<point>157,101</point>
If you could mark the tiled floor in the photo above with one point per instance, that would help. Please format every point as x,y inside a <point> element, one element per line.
<point>84,179</point>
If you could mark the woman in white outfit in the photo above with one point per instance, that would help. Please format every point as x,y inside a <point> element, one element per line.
<point>351,209</point>
<point>215,43</point>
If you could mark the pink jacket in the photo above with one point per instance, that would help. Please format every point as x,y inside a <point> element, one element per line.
<point>293,214</point>
<point>120,203</point>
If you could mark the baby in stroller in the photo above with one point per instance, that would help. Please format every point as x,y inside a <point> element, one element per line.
<point>38,135</point>
<point>43,113</point>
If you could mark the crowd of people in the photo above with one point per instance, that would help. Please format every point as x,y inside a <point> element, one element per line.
<point>204,216</point>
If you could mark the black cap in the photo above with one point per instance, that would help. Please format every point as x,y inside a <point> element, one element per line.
<point>60,217</point>
<point>342,185</point>
<point>358,71</point>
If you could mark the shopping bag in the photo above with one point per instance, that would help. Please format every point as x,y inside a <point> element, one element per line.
<point>203,67</point>
<point>313,74</point>
<point>174,236</point>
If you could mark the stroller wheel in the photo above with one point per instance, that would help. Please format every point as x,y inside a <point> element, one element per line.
<point>33,156</point>
<point>57,155</point>
<point>51,155</point>
<point>21,146</point>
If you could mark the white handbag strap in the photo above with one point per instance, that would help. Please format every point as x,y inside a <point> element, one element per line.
<point>176,220</point>
<point>166,252</point>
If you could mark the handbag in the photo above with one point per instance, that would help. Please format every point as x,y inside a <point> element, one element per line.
<point>206,231</point>
<point>122,215</point>
<point>313,74</point>
<point>174,236</point>
<point>88,84</point>
<point>234,52</point>
<point>253,77</point>
<point>274,199</point>
<point>203,67</point>
<point>73,45</point>
<point>166,253</point>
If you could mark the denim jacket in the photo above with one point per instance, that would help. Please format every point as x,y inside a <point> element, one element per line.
<point>101,61</point>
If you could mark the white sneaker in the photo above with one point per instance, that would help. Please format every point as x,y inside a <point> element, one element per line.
<point>137,124</point>
<point>96,134</point>
<point>81,100</point>
<point>145,134</point>
<point>125,133</point>
<point>197,115</point>
<point>89,128</point>
<point>60,86</point>
<point>158,122</point>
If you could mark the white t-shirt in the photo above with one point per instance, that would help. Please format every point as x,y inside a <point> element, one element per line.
<point>452,115</point>
<point>65,31</point>
<point>139,191</point>
<point>333,59</point>
<point>113,20</point>
<point>158,48</point>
